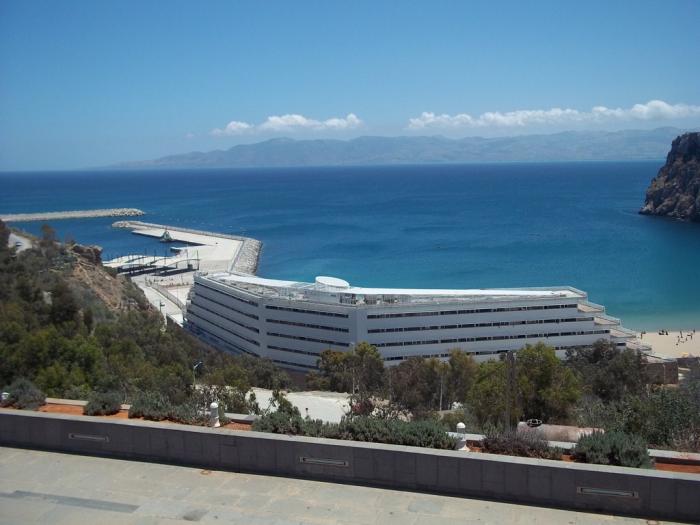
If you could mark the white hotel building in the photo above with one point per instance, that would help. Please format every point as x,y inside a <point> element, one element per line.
<point>291,323</point>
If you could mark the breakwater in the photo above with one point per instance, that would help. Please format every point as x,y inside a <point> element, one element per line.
<point>245,252</point>
<point>73,214</point>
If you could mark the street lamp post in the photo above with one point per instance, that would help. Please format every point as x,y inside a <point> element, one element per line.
<point>194,370</point>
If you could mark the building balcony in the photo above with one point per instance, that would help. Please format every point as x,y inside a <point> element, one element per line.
<point>620,332</point>
<point>590,308</point>
<point>606,320</point>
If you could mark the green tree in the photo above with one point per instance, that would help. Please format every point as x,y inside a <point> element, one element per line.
<point>607,371</point>
<point>487,394</point>
<point>334,367</point>
<point>544,388</point>
<point>64,307</point>
<point>412,386</point>
<point>4,236</point>
<point>366,370</point>
<point>462,370</point>
<point>547,389</point>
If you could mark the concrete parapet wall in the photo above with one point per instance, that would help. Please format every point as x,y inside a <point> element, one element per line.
<point>615,490</point>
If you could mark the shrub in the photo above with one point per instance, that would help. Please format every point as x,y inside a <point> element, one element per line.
<point>663,417</point>
<point>77,392</point>
<point>425,433</point>
<point>613,448</point>
<point>153,406</point>
<point>359,428</point>
<point>449,420</point>
<point>103,404</point>
<point>529,444</point>
<point>230,399</point>
<point>279,423</point>
<point>24,395</point>
<point>188,413</point>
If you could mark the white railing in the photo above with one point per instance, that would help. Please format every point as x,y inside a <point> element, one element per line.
<point>166,293</point>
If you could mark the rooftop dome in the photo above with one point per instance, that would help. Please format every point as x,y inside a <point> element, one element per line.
<point>331,282</point>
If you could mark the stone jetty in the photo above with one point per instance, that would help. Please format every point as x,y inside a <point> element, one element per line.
<point>74,214</point>
<point>215,252</point>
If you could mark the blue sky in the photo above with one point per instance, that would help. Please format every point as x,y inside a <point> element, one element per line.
<point>93,83</point>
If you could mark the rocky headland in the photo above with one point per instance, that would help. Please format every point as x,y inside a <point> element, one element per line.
<point>675,191</point>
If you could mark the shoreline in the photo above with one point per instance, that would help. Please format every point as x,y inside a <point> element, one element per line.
<point>672,345</point>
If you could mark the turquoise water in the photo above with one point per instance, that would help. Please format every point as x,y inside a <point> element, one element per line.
<point>451,226</point>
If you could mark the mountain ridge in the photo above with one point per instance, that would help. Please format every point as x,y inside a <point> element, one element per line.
<point>434,149</point>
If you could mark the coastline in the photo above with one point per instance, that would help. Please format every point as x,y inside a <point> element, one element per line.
<point>673,345</point>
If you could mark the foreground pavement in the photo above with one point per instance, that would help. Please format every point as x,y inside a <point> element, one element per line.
<point>47,487</point>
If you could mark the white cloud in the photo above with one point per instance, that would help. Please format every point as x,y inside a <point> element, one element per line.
<point>652,110</point>
<point>235,127</point>
<point>290,122</point>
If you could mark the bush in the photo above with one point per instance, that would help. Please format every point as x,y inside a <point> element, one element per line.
<point>663,417</point>
<point>24,395</point>
<point>153,406</point>
<point>529,444</point>
<point>77,392</point>
<point>449,420</point>
<point>230,399</point>
<point>189,413</point>
<point>613,448</point>
<point>103,404</point>
<point>279,423</point>
<point>359,428</point>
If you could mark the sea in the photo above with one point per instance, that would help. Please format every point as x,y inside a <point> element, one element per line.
<point>427,226</point>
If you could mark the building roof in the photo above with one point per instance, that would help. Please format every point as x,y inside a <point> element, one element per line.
<point>333,285</point>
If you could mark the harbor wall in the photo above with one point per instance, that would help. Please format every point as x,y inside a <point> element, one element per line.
<point>614,490</point>
<point>245,261</point>
<point>74,214</point>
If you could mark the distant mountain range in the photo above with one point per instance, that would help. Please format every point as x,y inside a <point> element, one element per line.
<point>565,146</point>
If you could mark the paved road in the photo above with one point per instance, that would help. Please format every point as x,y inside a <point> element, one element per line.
<point>24,242</point>
<point>326,406</point>
<point>46,487</point>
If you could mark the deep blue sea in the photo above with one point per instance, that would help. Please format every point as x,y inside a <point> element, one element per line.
<point>450,226</point>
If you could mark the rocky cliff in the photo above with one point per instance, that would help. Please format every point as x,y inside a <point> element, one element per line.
<point>675,191</point>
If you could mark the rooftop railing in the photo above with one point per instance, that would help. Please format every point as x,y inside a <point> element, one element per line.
<point>308,292</point>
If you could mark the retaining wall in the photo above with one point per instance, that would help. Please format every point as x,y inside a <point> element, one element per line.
<point>615,490</point>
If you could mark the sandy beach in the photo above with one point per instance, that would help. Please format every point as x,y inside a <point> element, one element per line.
<point>674,344</point>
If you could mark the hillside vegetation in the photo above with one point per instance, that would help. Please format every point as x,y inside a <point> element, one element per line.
<point>72,328</point>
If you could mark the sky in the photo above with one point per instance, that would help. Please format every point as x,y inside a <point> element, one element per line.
<point>85,83</point>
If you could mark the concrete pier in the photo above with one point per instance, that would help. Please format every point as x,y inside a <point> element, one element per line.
<point>73,214</point>
<point>214,251</point>
<point>166,280</point>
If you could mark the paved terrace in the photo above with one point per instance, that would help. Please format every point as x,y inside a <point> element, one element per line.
<point>47,487</point>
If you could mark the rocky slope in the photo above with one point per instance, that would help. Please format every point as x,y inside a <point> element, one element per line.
<point>675,191</point>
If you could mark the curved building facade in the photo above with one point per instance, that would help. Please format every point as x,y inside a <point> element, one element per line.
<point>291,322</point>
